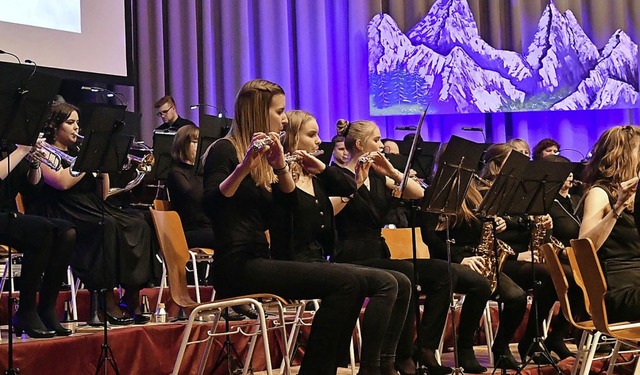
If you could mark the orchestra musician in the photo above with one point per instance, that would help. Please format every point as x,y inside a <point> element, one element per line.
<point>244,173</point>
<point>339,155</point>
<point>46,244</point>
<point>518,234</point>
<point>611,179</point>
<point>521,146</point>
<point>115,253</point>
<point>472,257</point>
<point>359,222</point>
<point>312,240</point>
<point>545,148</point>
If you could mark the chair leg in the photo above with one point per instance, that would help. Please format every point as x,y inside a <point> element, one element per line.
<point>74,293</point>
<point>4,274</point>
<point>488,331</point>
<point>614,357</point>
<point>194,264</point>
<point>163,284</point>
<point>588,360</point>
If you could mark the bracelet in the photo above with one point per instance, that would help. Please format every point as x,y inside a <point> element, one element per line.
<point>34,164</point>
<point>280,171</point>
<point>615,214</point>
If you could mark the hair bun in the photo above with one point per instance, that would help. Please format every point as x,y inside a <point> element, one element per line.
<point>342,127</point>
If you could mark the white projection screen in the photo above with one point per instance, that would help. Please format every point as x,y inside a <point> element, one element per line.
<point>84,36</point>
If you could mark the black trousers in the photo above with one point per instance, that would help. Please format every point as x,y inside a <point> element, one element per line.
<point>47,246</point>
<point>340,292</point>
<point>434,282</point>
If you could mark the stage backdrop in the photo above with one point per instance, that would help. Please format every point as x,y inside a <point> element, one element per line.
<point>202,51</point>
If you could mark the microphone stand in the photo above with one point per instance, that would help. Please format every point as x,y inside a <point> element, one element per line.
<point>412,208</point>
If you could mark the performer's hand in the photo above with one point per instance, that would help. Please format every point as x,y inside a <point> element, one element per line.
<point>546,221</point>
<point>626,193</point>
<point>275,152</point>
<point>501,224</point>
<point>475,263</point>
<point>252,155</point>
<point>382,165</point>
<point>362,173</point>
<point>525,256</point>
<point>310,163</point>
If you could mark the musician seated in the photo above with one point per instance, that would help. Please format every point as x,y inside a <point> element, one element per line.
<point>117,252</point>
<point>46,245</point>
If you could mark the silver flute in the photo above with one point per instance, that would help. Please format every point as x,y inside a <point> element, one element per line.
<point>264,142</point>
<point>294,158</point>
<point>364,159</point>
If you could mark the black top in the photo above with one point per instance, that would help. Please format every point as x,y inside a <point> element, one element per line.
<point>313,236</point>
<point>180,122</point>
<point>622,247</point>
<point>239,222</point>
<point>518,233</point>
<point>359,224</point>
<point>466,235</point>
<point>185,190</point>
<point>15,183</point>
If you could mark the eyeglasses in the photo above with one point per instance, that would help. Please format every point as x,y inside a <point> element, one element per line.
<point>164,112</point>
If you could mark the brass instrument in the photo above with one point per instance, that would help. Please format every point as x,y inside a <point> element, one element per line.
<point>486,250</point>
<point>52,157</point>
<point>145,164</point>
<point>539,237</point>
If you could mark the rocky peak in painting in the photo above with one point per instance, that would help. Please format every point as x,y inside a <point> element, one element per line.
<point>444,63</point>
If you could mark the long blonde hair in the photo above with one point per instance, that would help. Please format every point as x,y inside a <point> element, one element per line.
<point>252,116</point>
<point>612,161</point>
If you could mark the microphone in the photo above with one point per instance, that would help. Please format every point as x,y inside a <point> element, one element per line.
<point>35,66</point>
<point>410,128</point>
<point>3,52</point>
<point>108,93</point>
<point>221,111</point>
<point>472,129</point>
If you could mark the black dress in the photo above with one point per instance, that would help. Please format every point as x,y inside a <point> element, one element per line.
<point>620,261</point>
<point>359,226</point>
<point>119,255</point>
<point>243,266</point>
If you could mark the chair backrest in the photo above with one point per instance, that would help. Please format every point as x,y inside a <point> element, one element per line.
<point>560,282</point>
<point>20,203</point>
<point>162,205</point>
<point>596,286</point>
<point>399,242</point>
<point>175,252</point>
<point>577,277</point>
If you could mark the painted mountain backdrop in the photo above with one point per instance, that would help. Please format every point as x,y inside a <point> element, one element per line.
<point>444,63</point>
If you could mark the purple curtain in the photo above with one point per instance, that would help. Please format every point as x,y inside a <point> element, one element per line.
<point>202,51</point>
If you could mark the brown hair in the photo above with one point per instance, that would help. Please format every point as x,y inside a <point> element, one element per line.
<point>514,142</point>
<point>493,159</point>
<point>58,114</point>
<point>163,100</point>
<point>251,116</point>
<point>536,154</point>
<point>612,160</point>
<point>352,131</point>
<point>182,142</point>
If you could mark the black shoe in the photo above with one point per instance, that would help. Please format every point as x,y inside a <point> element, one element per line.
<point>32,326</point>
<point>468,361</point>
<point>232,317</point>
<point>438,369</point>
<point>246,310</point>
<point>118,321</point>
<point>503,359</point>
<point>50,321</point>
<point>558,346</point>
<point>138,319</point>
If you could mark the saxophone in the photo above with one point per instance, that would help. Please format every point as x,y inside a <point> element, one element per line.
<point>538,237</point>
<point>486,250</point>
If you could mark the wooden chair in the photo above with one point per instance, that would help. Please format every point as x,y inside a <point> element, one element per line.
<point>590,336</point>
<point>173,246</point>
<point>197,254</point>
<point>587,263</point>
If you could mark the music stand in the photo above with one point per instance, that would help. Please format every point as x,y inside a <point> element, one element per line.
<point>455,170</point>
<point>425,155</point>
<point>211,129</point>
<point>162,144</point>
<point>104,151</point>
<point>532,193</point>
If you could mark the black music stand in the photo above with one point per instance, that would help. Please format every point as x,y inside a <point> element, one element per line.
<point>424,159</point>
<point>212,128</point>
<point>455,171</point>
<point>531,191</point>
<point>23,109</point>
<point>103,151</point>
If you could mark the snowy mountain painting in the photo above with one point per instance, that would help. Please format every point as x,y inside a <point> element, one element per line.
<point>444,64</point>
